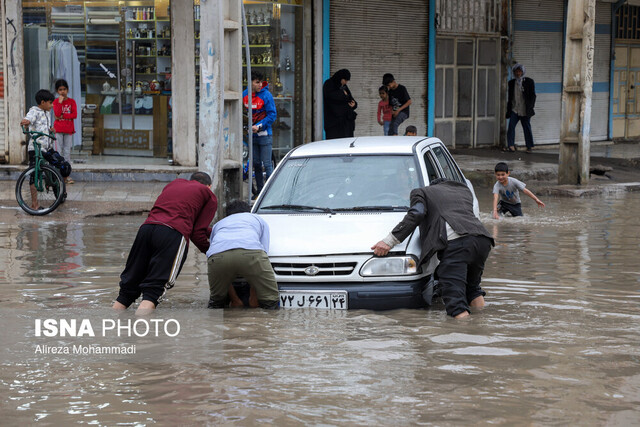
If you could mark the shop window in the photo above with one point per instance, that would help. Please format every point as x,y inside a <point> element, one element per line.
<point>275,43</point>
<point>116,57</point>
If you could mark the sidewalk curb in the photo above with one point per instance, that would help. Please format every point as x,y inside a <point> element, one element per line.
<point>84,173</point>
<point>575,191</point>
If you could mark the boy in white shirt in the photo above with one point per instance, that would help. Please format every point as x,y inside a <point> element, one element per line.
<point>38,120</point>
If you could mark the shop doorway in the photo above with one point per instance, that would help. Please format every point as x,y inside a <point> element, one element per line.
<point>116,57</point>
<point>626,91</point>
<point>467,103</point>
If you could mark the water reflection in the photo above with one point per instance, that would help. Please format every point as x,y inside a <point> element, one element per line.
<point>556,344</point>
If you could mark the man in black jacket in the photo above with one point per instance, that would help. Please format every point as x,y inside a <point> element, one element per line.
<point>521,101</point>
<point>339,106</point>
<point>448,227</point>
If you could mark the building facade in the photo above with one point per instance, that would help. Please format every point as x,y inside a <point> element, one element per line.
<point>454,57</point>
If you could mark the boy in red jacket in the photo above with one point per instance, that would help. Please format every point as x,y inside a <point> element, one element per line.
<point>65,111</point>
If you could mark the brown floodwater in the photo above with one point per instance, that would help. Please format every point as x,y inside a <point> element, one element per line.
<point>557,344</point>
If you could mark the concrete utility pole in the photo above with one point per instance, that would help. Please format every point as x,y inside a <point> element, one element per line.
<point>220,137</point>
<point>211,90</point>
<point>577,83</point>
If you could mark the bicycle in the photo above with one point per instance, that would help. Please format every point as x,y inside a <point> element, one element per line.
<point>41,181</point>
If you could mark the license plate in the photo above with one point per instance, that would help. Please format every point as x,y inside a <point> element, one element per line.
<point>333,300</point>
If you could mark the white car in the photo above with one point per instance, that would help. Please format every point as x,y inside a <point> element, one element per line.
<point>328,202</point>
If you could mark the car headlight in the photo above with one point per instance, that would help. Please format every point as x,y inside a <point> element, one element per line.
<point>390,266</point>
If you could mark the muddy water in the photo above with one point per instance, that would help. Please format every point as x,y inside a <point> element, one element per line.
<point>557,343</point>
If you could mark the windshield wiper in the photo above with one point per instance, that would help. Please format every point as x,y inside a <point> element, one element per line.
<point>374,208</point>
<point>298,207</point>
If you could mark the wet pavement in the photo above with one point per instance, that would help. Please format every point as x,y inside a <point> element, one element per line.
<point>557,343</point>
<point>90,199</point>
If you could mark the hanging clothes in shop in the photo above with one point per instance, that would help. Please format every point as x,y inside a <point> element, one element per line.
<point>64,64</point>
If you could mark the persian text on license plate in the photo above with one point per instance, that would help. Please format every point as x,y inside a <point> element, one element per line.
<point>334,300</point>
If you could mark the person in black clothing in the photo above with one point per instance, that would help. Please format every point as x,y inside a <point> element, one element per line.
<point>399,100</point>
<point>520,104</point>
<point>448,227</point>
<point>339,106</point>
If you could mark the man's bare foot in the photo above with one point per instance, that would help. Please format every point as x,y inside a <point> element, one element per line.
<point>235,301</point>
<point>146,307</point>
<point>477,302</point>
<point>253,298</point>
<point>462,315</point>
<point>118,306</point>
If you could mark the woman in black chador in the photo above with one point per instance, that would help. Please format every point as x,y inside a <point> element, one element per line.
<point>339,106</point>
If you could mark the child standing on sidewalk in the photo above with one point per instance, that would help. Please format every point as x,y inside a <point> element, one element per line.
<point>399,100</point>
<point>506,198</point>
<point>384,110</point>
<point>65,112</point>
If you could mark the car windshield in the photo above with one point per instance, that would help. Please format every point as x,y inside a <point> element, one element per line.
<point>337,183</point>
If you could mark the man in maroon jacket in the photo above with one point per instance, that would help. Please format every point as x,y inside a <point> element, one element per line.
<point>184,210</point>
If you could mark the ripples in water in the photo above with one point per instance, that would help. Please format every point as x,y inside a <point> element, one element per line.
<point>556,343</point>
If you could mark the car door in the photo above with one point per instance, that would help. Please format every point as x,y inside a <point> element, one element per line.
<point>447,165</point>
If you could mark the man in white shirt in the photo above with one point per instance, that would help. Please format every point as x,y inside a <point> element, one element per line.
<point>238,248</point>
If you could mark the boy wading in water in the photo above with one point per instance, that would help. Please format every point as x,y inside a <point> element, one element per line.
<point>506,198</point>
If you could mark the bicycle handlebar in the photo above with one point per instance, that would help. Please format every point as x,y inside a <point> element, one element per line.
<point>34,134</point>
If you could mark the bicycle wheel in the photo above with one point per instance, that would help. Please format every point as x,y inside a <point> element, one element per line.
<point>52,194</point>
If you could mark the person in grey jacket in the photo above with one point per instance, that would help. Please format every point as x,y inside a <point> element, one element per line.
<point>521,101</point>
<point>448,227</point>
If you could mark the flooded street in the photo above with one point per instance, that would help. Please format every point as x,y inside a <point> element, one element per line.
<point>557,343</point>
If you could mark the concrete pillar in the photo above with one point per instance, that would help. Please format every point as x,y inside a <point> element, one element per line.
<point>183,83</point>
<point>211,90</point>
<point>577,83</point>
<point>14,78</point>
<point>220,137</point>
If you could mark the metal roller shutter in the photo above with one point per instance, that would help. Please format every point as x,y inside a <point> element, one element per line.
<point>601,73</point>
<point>374,37</point>
<point>537,44</point>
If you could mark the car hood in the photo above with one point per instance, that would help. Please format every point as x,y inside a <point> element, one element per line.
<point>324,234</point>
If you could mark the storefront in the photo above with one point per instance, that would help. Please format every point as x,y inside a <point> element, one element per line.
<point>116,56</point>
<point>538,43</point>
<point>467,73</point>
<point>371,38</point>
<point>275,32</point>
<point>626,75</point>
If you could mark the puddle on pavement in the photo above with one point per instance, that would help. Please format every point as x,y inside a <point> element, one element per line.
<point>557,342</point>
